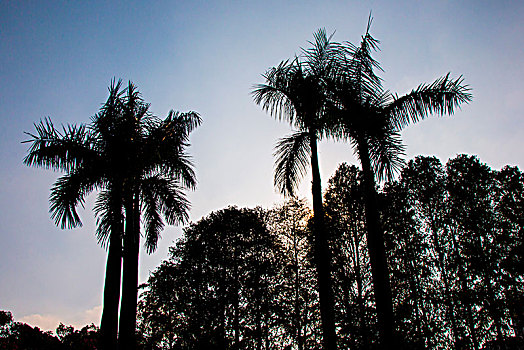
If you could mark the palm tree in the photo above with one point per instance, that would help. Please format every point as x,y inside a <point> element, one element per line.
<point>83,154</point>
<point>130,156</point>
<point>294,92</point>
<point>157,171</point>
<point>371,119</point>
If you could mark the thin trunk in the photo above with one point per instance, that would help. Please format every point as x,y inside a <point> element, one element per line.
<point>127,336</point>
<point>377,250</point>
<point>360,290</point>
<point>109,322</point>
<point>450,305</point>
<point>461,273</point>
<point>298,318</point>
<point>322,255</point>
<point>493,308</point>
<point>418,307</point>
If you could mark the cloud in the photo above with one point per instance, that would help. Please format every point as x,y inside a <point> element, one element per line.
<point>49,322</point>
<point>44,322</point>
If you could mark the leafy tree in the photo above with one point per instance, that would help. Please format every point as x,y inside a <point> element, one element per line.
<point>352,280</point>
<point>510,209</point>
<point>295,290</point>
<point>83,339</point>
<point>215,291</point>
<point>424,179</point>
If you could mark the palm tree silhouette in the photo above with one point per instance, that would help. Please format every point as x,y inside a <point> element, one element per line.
<point>371,119</point>
<point>157,171</point>
<point>87,158</point>
<point>295,92</point>
<point>139,164</point>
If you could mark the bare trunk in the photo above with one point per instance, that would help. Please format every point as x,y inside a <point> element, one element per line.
<point>127,336</point>
<point>377,250</point>
<point>322,255</point>
<point>109,322</point>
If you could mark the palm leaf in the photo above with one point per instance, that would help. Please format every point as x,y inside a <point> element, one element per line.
<point>56,150</point>
<point>108,209</point>
<point>276,95</point>
<point>324,54</point>
<point>152,220</point>
<point>68,192</point>
<point>440,97</point>
<point>292,160</point>
<point>162,195</point>
<point>386,154</point>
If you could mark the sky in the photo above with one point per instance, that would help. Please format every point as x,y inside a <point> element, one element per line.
<point>57,59</point>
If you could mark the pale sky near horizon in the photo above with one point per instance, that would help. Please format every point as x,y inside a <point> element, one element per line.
<point>57,59</point>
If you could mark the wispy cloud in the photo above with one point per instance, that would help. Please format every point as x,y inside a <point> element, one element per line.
<point>49,322</point>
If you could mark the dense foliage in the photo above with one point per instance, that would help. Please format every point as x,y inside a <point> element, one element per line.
<point>19,335</point>
<point>243,279</point>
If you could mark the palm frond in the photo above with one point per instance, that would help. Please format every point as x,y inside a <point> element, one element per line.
<point>164,148</point>
<point>63,151</point>
<point>104,123</point>
<point>324,54</point>
<point>152,220</point>
<point>292,159</point>
<point>359,64</point>
<point>162,195</point>
<point>276,96</point>
<point>68,192</point>
<point>108,212</point>
<point>181,169</point>
<point>386,154</point>
<point>103,215</point>
<point>182,123</point>
<point>440,97</point>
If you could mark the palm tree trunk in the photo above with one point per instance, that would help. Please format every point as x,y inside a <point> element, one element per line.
<point>127,336</point>
<point>109,322</point>
<point>322,255</point>
<point>377,250</point>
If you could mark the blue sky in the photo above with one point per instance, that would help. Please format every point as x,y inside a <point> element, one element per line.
<point>57,59</point>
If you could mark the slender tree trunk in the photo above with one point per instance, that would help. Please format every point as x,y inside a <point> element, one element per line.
<point>377,250</point>
<point>109,322</point>
<point>298,316</point>
<point>127,327</point>
<point>450,305</point>
<point>360,294</point>
<point>322,255</point>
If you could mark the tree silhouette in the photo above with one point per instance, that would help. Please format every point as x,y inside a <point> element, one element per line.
<point>294,92</point>
<point>215,292</point>
<point>352,280</point>
<point>139,164</point>
<point>156,170</point>
<point>371,118</point>
<point>295,289</point>
<point>90,159</point>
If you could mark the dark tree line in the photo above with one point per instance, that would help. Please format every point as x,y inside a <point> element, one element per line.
<point>18,335</point>
<point>244,279</point>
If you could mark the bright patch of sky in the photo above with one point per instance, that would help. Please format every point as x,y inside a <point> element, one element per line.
<point>57,59</point>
